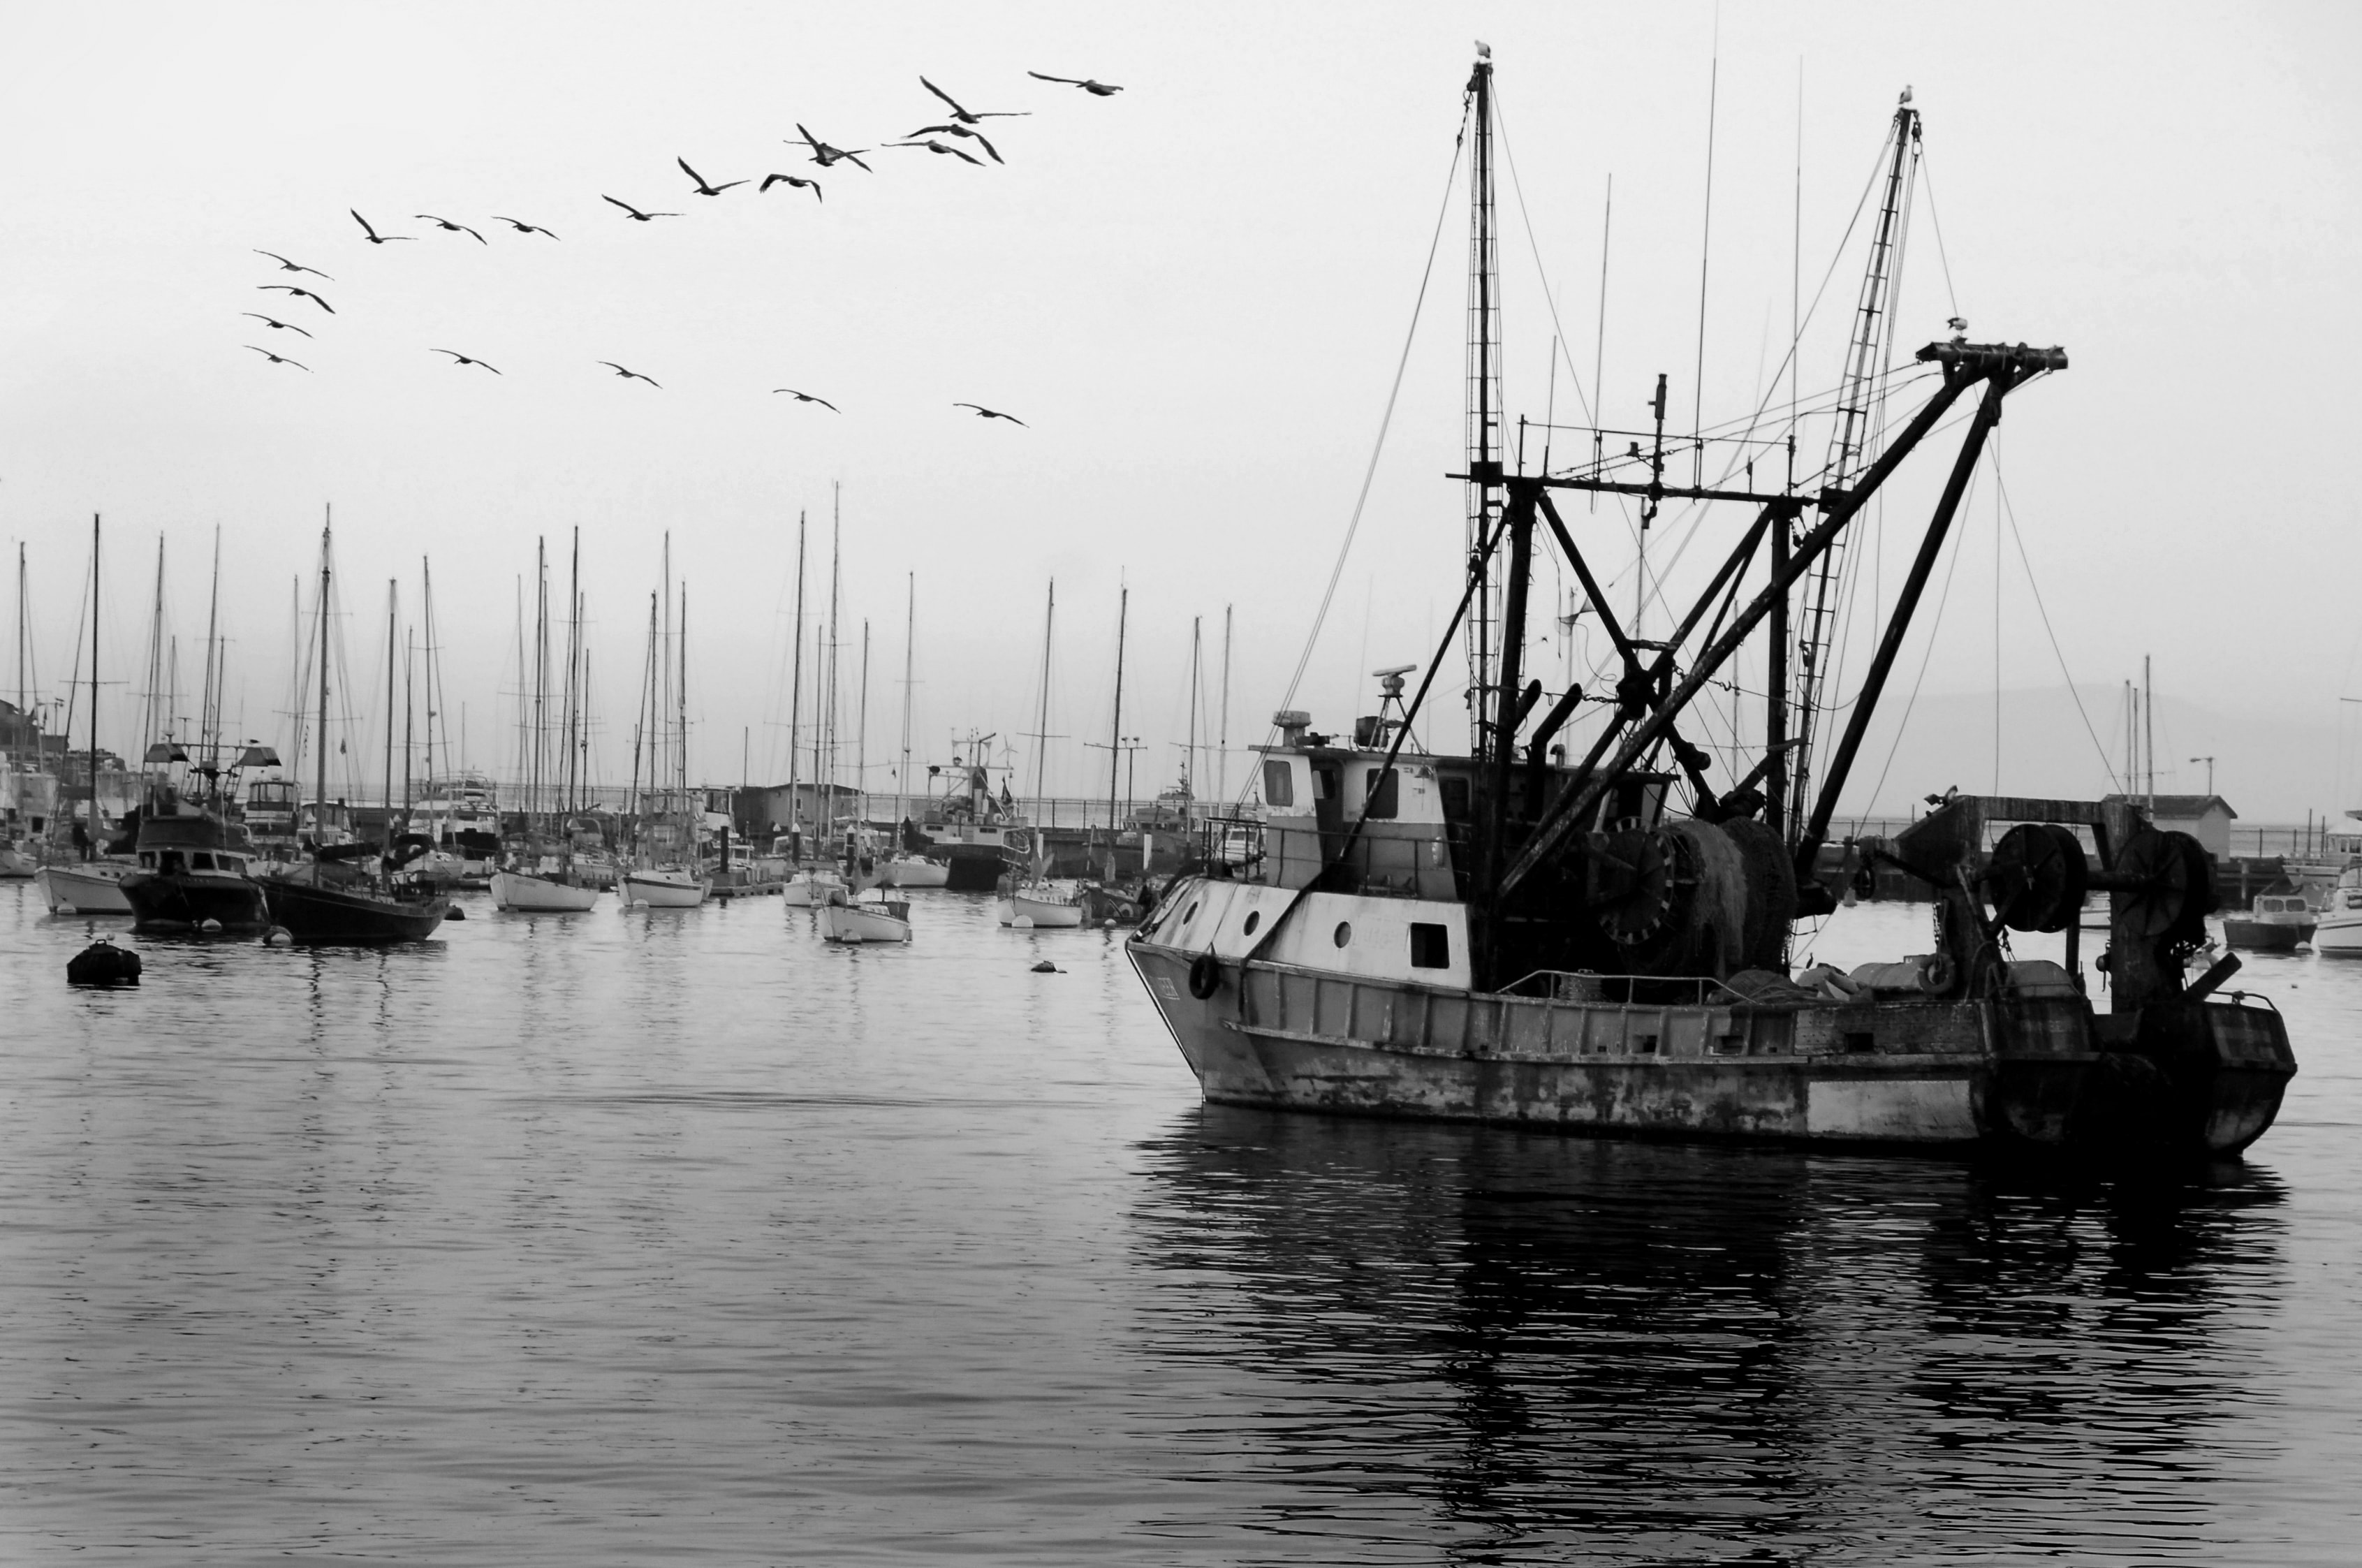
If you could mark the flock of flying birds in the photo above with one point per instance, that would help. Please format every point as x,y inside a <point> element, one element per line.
<point>962,125</point>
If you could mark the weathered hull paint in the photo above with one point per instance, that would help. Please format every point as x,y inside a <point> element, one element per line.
<point>1929,1072</point>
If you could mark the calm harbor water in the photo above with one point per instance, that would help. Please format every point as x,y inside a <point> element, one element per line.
<point>680,1237</point>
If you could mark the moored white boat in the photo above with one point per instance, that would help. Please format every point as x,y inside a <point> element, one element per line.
<point>2338,932</point>
<point>811,890</point>
<point>1039,910</point>
<point>864,920</point>
<point>89,887</point>
<point>914,871</point>
<point>526,893</point>
<point>662,887</point>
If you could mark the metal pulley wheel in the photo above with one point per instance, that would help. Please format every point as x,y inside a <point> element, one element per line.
<point>1638,880</point>
<point>2036,876</point>
<point>2175,883</point>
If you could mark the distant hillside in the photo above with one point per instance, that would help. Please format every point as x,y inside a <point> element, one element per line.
<point>2270,769</point>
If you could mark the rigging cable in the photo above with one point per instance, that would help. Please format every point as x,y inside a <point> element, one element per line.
<point>1377,447</point>
<point>2011,513</point>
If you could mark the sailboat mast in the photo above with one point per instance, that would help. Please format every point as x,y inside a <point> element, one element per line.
<point>828,708</point>
<point>1115,733</point>
<point>392,615</point>
<point>93,682</point>
<point>1041,719</point>
<point>209,705</point>
<point>409,713</point>
<point>910,645</point>
<point>540,678</point>
<point>1222,741</point>
<point>796,681</point>
<point>861,736</point>
<point>320,792</point>
<point>681,727</point>
<point>1197,683</point>
<point>427,617</point>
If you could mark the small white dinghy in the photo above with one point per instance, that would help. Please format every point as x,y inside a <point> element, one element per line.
<point>528,893</point>
<point>869,918</point>
<point>662,887</point>
<point>811,890</point>
<point>1041,910</point>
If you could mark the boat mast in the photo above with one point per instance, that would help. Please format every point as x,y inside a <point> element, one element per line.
<point>573,663</point>
<point>1222,741</point>
<point>796,684</point>
<point>1115,731</point>
<point>1482,402</point>
<point>1190,763</point>
<point>427,617</point>
<point>209,705</point>
<point>1042,718</point>
<point>93,683</point>
<point>409,713</point>
<point>828,709</point>
<point>320,794</point>
<point>1849,443</point>
<point>861,736</point>
<point>392,615</point>
<point>540,775</point>
<point>910,643</point>
<point>681,727</point>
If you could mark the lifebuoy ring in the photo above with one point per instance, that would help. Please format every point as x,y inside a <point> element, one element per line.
<point>1938,976</point>
<point>1125,914</point>
<point>1205,975</point>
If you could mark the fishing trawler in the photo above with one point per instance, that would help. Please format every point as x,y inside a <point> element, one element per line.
<point>193,871</point>
<point>967,827</point>
<point>1592,932</point>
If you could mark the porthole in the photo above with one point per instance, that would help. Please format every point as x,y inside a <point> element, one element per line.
<point>1345,932</point>
<point>1255,919</point>
<point>1190,913</point>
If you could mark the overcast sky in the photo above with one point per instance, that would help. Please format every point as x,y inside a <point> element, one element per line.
<point>1193,292</point>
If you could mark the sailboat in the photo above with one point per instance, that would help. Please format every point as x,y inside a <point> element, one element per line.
<point>336,895</point>
<point>543,880</point>
<point>665,873</point>
<point>908,866</point>
<point>91,885</point>
<point>1597,938</point>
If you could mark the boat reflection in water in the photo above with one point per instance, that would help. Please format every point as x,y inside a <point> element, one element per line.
<point>1677,1353</point>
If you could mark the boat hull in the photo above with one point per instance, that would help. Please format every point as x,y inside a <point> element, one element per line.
<point>972,868</point>
<point>524,894</point>
<point>95,889</point>
<point>661,891</point>
<point>913,871</point>
<point>1042,914</point>
<point>16,863</point>
<point>862,923</point>
<point>2338,936</point>
<point>2205,1078</point>
<point>186,901</point>
<point>2265,936</point>
<point>340,914</point>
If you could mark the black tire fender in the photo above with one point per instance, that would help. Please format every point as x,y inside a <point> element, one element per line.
<point>1205,975</point>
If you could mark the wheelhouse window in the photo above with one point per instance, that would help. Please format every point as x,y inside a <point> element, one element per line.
<point>1327,782</point>
<point>1381,792</point>
<point>201,860</point>
<point>1431,945</point>
<point>1278,783</point>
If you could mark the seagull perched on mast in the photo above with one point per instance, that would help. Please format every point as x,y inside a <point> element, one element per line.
<point>291,289</point>
<point>281,358</point>
<point>374,236</point>
<point>521,225</point>
<point>1096,89</point>
<point>632,375</point>
<point>964,116</point>
<point>705,187</point>
<point>795,179</point>
<point>267,321</point>
<point>984,413</point>
<point>974,135</point>
<point>460,358</point>
<point>450,228</point>
<point>287,266</point>
<point>825,155</point>
<point>634,212</point>
<point>807,397</point>
<point>932,146</point>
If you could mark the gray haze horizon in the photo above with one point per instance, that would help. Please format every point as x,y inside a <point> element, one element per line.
<point>1195,292</point>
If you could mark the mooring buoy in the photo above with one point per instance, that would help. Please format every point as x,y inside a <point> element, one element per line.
<point>103,964</point>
